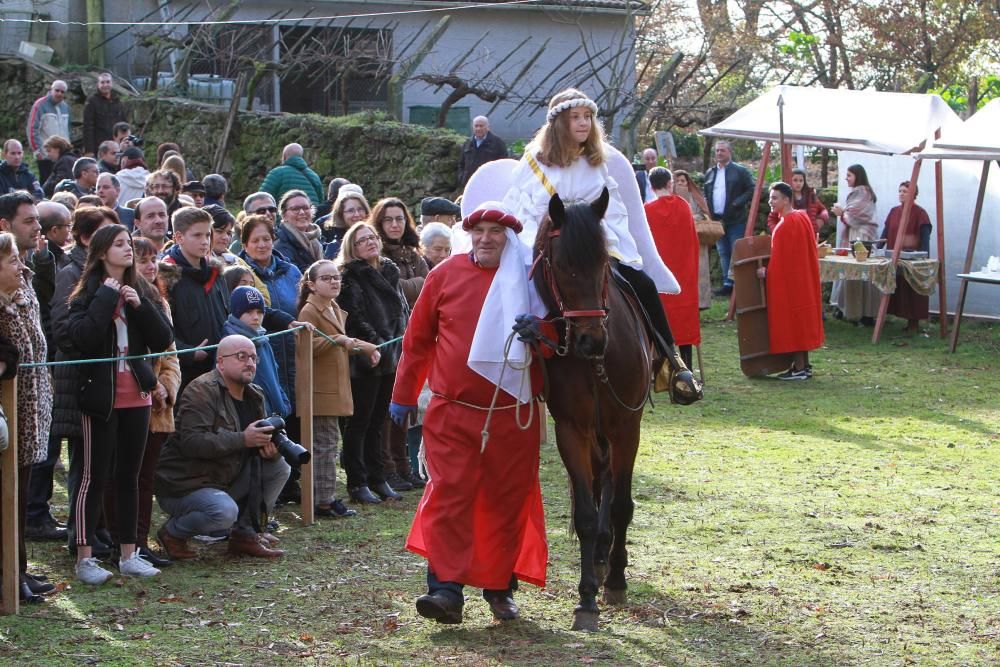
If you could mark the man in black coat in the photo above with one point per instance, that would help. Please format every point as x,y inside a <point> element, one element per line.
<point>482,147</point>
<point>728,189</point>
<point>102,110</point>
<point>14,174</point>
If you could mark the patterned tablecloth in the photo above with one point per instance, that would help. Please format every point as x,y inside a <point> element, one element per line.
<point>922,274</point>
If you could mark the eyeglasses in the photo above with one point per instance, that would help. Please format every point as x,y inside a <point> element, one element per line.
<point>367,239</point>
<point>299,209</point>
<point>241,356</point>
<point>399,218</point>
<point>266,209</point>
<point>355,211</point>
<point>331,278</point>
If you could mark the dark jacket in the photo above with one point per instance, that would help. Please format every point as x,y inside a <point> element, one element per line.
<point>9,356</point>
<point>65,379</point>
<point>473,157</point>
<point>99,117</point>
<point>61,170</point>
<point>44,283</point>
<point>739,190</point>
<point>207,450</point>
<point>91,325</point>
<point>412,269</point>
<point>126,216</point>
<point>332,237</point>
<point>19,179</point>
<point>375,310</point>
<point>199,302</point>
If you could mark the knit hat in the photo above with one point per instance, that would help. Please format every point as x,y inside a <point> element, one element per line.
<point>491,211</point>
<point>245,298</point>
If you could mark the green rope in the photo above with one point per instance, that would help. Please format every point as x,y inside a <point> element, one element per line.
<point>189,350</point>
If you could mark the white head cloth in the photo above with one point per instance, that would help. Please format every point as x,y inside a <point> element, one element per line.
<point>571,104</point>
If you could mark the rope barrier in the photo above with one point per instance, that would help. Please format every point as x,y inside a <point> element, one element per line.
<point>188,350</point>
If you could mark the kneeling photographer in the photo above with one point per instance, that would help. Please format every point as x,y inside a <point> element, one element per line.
<point>224,467</point>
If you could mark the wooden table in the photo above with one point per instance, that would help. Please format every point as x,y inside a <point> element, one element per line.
<point>985,277</point>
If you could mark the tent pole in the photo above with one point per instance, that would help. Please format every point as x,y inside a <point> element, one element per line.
<point>973,233</point>
<point>942,290</point>
<point>752,217</point>
<point>883,306</point>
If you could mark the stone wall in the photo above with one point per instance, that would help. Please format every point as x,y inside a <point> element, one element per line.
<point>385,157</point>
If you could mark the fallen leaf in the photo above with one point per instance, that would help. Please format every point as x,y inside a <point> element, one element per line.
<point>823,567</point>
<point>170,598</point>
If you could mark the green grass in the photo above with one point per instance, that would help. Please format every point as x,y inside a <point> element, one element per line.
<point>851,520</point>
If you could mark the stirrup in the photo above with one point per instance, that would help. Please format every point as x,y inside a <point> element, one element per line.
<point>675,377</point>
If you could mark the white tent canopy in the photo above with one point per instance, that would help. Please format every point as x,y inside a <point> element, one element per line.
<point>856,120</point>
<point>976,139</point>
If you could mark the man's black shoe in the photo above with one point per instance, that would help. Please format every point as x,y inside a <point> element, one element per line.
<point>35,586</point>
<point>725,290</point>
<point>385,492</point>
<point>441,607</point>
<point>44,531</point>
<point>397,482</point>
<point>415,480</point>
<point>152,558</point>
<point>337,510</point>
<point>503,607</point>
<point>362,494</point>
<point>27,596</point>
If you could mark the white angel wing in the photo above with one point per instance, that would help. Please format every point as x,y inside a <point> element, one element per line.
<point>489,183</point>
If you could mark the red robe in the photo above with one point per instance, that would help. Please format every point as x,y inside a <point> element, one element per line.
<point>480,518</point>
<point>794,310</point>
<point>905,302</point>
<point>672,224</point>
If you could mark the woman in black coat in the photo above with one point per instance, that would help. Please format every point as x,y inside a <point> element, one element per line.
<point>376,313</point>
<point>60,151</point>
<point>113,313</point>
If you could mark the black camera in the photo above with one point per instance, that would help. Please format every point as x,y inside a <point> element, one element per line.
<point>135,140</point>
<point>294,453</point>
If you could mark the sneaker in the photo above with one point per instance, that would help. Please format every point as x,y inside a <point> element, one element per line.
<point>807,371</point>
<point>337,509</point>
<point>795,374</point>
<point>89,571</point>
<point>136,566</point>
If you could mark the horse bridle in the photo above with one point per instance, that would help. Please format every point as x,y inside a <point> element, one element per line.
<point>566,315</point>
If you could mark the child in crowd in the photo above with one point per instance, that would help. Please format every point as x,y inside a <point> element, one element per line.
<point>237,276</point>
<point>332,398</point>
<point>246,306</point>
<point>195,290</point>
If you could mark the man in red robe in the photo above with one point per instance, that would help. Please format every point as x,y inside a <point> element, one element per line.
<point>905,302</point>
<point>480,520</point>
<point>794,310</point>
<point>672,224</point>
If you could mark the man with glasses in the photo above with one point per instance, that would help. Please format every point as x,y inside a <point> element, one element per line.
<point>220,468</point>
<point>49,117</point>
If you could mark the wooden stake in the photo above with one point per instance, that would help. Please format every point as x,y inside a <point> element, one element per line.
<point>973,233</point>
<point>8,504</point>
<point>942,288</point>
<point>304,405</point>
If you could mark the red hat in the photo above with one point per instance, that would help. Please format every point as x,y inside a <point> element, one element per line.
<point>491,212</point>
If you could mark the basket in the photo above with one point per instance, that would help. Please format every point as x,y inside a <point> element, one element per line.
<point>709,231</point>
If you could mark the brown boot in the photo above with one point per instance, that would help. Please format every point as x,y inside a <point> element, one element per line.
<point>249,543</point>
<point>175,547</point>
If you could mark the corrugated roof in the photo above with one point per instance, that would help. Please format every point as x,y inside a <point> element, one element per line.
<point>640,6</point>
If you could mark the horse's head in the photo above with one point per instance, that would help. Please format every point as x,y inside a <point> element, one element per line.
<point>574,277</point>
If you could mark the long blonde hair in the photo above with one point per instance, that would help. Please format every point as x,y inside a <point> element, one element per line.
<point>348,253</point>
<point>554,143</point>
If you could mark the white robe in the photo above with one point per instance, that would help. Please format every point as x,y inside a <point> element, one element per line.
<point>625,226</point>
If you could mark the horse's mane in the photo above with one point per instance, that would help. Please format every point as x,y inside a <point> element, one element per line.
<point>582,245</point>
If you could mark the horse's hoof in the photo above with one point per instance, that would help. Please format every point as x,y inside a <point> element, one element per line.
<point>614,596</point>
<point>585,621</point>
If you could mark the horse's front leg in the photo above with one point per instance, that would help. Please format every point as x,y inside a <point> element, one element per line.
<point>575,443</point>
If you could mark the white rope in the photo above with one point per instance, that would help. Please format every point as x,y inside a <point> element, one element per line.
<point>267,21</point>
<point>571,104</point>
<point>517,408</point>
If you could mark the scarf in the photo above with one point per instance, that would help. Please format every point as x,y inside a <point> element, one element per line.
<point>308,240</point>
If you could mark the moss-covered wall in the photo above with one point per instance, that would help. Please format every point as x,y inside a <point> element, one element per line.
<point>383,156</point>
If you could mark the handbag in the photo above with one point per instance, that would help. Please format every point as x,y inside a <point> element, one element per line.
<point>709,231</point>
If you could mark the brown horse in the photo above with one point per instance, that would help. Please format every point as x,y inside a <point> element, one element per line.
<point>599,381</point>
